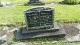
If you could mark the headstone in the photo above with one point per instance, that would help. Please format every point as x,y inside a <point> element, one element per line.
<point>1,5</point>
<point>39,23</point>
<point>34,2</point>
<point>39,18</point>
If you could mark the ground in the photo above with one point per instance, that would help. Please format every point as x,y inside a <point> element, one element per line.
<point>63,13</point>
<point>11,16</point>
<point>72,30</point>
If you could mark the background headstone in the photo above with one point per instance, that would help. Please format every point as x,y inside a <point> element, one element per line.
<point>34,2</point>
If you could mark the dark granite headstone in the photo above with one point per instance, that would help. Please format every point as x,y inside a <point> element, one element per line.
<point>39,18</point>
<point>1,5</point>
<point>39,23</point>
<point>34,2</point>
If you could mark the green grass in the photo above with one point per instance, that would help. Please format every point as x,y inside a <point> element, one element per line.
<point>14,0</point>
<point>12,15</point>
<point>67,13</point>
<point>46,1</point>
<point>63,13</point>
<point>25,1</point>
<point>49,1</point>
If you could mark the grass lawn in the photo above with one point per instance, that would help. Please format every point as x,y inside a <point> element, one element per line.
<point>63,13</point>
<point>12,15</point>
<point>14,0</point>
<point>49,1</point>
<point>46,1</point>
<point>24,1</point>
<point>67,13</point>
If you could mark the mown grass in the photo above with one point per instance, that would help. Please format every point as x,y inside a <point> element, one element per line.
<point>63,13</point>
<point>46,1</point>
<point>50,1</point>
<point>12,15</point>
<point>67,13</point>
<point>14,0</point>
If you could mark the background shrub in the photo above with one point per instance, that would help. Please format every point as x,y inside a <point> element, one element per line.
<point>71,1</point>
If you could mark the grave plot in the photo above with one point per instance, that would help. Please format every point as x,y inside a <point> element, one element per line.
<point>39,23</point>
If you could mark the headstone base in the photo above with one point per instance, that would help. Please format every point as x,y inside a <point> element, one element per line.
<point>56,32</point>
